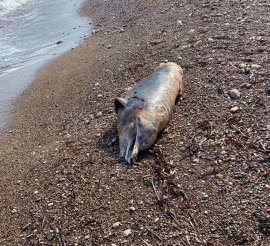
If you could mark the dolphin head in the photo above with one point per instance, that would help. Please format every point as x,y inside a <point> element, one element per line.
<point>135,129</point>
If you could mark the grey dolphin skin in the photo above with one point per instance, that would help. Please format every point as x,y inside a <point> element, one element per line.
<point>144,112</point>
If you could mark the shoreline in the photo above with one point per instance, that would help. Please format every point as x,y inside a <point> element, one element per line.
<point>37,44</point>
<point>60,176</point>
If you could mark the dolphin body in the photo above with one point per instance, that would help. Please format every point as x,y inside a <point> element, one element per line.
<point>144,112</point>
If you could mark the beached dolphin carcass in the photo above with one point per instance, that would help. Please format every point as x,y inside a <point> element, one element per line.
<point>144,112</point>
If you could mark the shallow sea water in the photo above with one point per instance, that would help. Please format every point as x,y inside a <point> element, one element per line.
<point>32,32</point>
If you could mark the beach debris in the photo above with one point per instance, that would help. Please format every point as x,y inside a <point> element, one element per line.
<point>59,42</point>
<point>14,211</point>
<point>99,114</point>
<point>121,30</point>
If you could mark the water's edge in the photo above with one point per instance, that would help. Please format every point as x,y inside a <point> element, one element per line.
<point>13,83</point>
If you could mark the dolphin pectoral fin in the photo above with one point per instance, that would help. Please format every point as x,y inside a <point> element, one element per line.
<point>119,103</point>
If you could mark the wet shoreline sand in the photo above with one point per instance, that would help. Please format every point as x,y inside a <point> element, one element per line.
<point>202,184</point>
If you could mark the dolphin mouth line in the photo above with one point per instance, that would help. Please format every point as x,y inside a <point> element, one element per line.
<point>130,155</point>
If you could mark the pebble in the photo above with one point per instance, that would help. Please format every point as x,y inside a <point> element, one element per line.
<point>99,114</point>
<point>219,176</point>
<point>223,152</point>
<point>109,46</point>
<point>61,180</point>
<point>255,66</point>
<point>86,237</point>
<point>242,65</point>
<point>235,94</point>
<point>121,30</point>
<point>195,160</point>
<point>247,86</point>
<point>179,23</point>
<point>268,127</point>
<point>50,205</point>
<point>115,225</point>
<point>191,31</point>
<point>165,61</point>
<point>205,196</point>
<point>14,211</point>
<point>132,209</point>
<point>210,40</point>
<point>261,159</point>
<point>127,232</point>
<point>234,109</point>
<point>96,84</point>
<point>216,15</point>
<point>99,96</point>
<point>156,220</point>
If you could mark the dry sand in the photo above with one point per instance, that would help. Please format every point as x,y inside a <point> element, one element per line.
<point>206,180</point>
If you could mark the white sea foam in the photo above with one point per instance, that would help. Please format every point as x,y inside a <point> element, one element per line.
<point>10,5</point>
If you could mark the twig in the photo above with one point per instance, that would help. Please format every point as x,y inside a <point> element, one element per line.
<point>44,218</point>
<point>159,238</point>
<point>154,188</point>
<point>146,243</point>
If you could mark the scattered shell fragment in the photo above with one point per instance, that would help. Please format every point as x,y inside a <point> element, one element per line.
<point>127,232</point>
<point>99,114</point>
<point>179,23</point>
<point>116,224</point>
<point>255,66</point>
<point>14,211</point>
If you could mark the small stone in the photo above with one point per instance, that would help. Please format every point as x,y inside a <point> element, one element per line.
<point>99,96</point>
<point>191,31</point>
<point>216,15</point>
<point>261,159</point>
<point>127,232</point>
<point>255,66</point>
<point>18,182</point>
<point>195,160</point>
<point>234,109</point>
<point>235,94</point>
<point>223,152</point>
<point>268,127</point>
<point>116,225</point>
<point>219,176</point>
<point>86,237</point>
<point>61,180</point>
<point>156,220</point>
<point>247,86</point>
<point>205,196</point>
<point>166,61</point>
<point>121,30</point>
<point>210,40</point>
<point>50,205</point>
<point>132,209</point>
<point>109,46</point>
<point>179,23</point>
<point>99,114</point>
<point>96,84</point>
<point>14,211</point>
<point>242,65</point>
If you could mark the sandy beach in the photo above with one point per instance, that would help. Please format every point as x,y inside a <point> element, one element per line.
<point>206,181</point>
